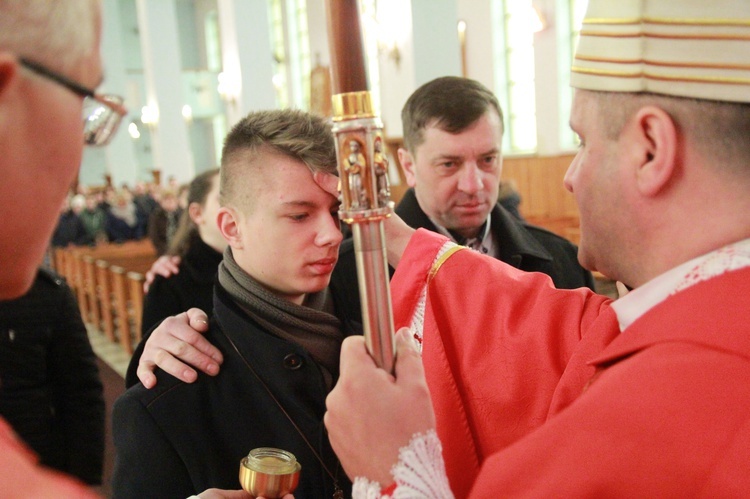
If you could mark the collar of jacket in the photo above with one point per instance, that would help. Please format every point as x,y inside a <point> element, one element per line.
<point>511,235</point>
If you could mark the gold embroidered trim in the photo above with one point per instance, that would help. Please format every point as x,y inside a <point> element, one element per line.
<point>665,36</point>
<point>668,21</point>
<point>440,261</point>
<point>663,77</point>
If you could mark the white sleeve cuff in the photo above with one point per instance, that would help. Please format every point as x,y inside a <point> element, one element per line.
<point>419,473</point>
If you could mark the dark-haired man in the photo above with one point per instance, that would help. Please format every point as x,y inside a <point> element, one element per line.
<point>452,158</point>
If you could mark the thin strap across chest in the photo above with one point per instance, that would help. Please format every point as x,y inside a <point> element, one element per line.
<point>338,493</point>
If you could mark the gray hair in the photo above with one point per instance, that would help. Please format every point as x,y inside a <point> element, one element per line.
<point>719,130</point>
<point>55,33</point>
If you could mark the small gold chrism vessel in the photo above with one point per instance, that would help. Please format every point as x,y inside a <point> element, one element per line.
<point>270,473</point>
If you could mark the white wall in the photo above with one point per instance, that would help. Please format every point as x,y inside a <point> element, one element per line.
<point>478,17</point>
<point>428,47</point>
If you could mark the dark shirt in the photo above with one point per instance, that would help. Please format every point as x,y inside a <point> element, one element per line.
<point>145,204</point>
<point>94,222</point>
<point>119,231</point>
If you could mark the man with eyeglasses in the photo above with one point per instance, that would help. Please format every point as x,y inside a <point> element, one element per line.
<point>49,69</point>
<point>41,122</point>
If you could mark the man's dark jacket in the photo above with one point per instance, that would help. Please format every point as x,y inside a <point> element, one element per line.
<point>179,439</point>
<point>522,245</point>
<point>160,227</point>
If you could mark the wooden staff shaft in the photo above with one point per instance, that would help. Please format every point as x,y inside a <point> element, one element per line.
<point>348,72</point>
<point>363,171</point>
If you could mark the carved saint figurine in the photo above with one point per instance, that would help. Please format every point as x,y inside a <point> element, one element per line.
<point>380,166</point>
<point>355,169</point>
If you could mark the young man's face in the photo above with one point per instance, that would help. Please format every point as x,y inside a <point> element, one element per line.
<point>456,176</point>
<point>288,239</point>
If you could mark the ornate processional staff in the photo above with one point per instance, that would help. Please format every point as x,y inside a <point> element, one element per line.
<point>363,170</point>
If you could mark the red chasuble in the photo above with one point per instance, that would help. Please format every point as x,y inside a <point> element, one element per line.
<point>20,476</point>
<point>537,393</point>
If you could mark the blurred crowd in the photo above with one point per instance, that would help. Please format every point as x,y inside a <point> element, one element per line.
<point>92,215</point>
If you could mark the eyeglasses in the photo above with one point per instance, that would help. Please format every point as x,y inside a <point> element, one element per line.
<point>101,113</point>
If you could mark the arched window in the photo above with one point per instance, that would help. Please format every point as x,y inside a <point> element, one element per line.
<point>290,42</point>
<point>299,53</point>
<point>514,53</point>
<point>278,48</point>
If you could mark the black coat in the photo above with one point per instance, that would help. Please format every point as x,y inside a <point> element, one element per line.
<point>192,286</point>
<point>70,230</point>
<point>50,390</point>
<point>522,245</point>
<point>179,439</point>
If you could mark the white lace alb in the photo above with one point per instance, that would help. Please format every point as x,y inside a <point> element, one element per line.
<point>419,473</point>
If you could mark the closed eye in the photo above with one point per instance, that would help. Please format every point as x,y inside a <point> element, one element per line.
<point>298,217</point>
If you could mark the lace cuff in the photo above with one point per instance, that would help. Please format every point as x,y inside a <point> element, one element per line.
<point>419,473</point>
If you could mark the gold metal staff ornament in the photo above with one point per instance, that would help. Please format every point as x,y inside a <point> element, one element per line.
<point>365,204</point>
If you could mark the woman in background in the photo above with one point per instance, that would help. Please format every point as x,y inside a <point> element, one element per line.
<point>199,245</point>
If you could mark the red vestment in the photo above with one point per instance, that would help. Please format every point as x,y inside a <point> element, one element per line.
<point>20,476</point>
<point>537,393</point>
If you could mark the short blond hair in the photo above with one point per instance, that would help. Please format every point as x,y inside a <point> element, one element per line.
<point>57,33</point>
<point>292,133</point>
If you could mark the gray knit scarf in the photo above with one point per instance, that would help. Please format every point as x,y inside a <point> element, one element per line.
<point>311,325</point>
